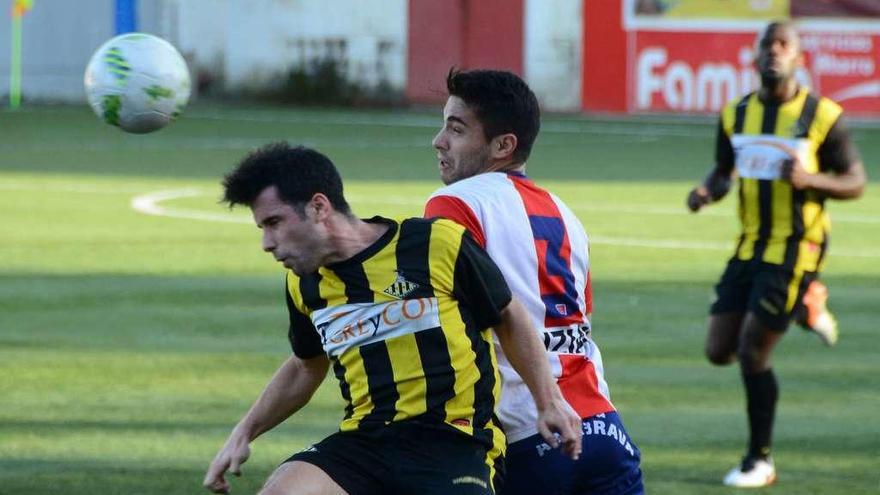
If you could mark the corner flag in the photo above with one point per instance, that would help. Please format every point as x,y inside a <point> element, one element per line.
<point>19,8</point>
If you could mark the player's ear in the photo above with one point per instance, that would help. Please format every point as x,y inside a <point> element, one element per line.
<point>319,207</point>
<point>503,146</point>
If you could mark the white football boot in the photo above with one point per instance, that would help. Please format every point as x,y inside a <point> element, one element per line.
<point>752,473</point>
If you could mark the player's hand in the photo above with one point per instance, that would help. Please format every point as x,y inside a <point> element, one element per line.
<point>230,458</point>
<point>561,427</point>
<point>795,173</point>
<point>698,198</point>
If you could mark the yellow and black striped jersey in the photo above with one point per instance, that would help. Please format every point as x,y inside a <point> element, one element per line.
<point>782,225</point>
<point>405,324</point>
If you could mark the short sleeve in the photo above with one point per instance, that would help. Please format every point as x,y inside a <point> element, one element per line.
<point>455,209</point>
<point>303,336</point>
<point>479,284</point>
<point>837,153</point>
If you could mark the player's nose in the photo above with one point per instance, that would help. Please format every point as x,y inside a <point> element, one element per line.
<point>268,242</point>
<point>439,141</point>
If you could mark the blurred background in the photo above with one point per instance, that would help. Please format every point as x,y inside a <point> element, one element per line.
<point>618,56</point>
<point>139,319</point>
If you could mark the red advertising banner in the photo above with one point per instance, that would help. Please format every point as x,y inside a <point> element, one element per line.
<point>687,59</point>
<point>699,72</point>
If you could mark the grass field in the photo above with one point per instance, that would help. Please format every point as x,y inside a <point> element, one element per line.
<point>132,339</point>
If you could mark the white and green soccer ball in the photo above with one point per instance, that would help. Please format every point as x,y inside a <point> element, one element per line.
<point>137,82</point>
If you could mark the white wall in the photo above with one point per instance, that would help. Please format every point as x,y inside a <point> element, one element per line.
<point>202,32</point>
<point>265,38</point>
<point>243,43</point>
<point>552,59</point>
<point>249,44</point>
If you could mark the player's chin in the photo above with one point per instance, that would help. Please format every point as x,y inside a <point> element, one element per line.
<point>771,76</point>
<point>447,175</point>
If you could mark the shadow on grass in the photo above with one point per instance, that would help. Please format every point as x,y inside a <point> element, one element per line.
<point>678,408</point>
<point>40,477</point>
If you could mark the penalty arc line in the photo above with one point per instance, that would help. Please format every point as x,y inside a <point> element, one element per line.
<point>149,204</point>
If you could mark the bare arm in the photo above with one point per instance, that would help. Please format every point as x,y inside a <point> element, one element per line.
<point>289,390</point>
<point>526,353</point>
<point>847,185</point>
<point>717,183</point>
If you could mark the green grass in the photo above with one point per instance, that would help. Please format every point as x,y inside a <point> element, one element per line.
<point>130,343</point>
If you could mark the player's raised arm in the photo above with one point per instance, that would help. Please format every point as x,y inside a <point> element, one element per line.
<point>289,390</point>
<point>526,354</point>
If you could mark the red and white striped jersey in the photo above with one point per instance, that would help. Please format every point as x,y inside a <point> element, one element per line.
<point>543,252</point>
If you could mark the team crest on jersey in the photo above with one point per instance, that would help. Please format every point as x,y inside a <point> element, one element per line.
<point>401,287</point>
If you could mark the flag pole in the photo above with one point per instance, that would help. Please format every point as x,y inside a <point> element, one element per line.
<point>15,69</point>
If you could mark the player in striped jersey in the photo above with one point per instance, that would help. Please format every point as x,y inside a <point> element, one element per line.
<point>401,310</point>
<point>491,120</point>
<point>790,150</point>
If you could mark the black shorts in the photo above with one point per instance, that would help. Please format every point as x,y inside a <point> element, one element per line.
<point>772,292</point>
<point>404,458</point>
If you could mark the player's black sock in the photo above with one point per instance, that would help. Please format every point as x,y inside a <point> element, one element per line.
<point>761,394</point>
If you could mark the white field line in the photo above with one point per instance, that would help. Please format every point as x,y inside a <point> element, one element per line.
<point>149,204</point>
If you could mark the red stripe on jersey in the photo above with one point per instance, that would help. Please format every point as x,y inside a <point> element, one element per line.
<point>580,386</point>
<point>539,204</point>
<point>588,294</point>
<point>459,212</point>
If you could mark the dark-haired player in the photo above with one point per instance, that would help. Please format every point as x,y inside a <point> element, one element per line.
<point>490,121</point>
<point>401,312</point>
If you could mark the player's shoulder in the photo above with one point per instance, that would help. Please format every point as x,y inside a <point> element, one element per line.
<point>478,186</point>
<point>827,113</point>
<point>826,107</point>
<point>733,104</point>
<point>446,228</point>
<point>730,110</point>
<point>739,101</point>
<point>430,227</point>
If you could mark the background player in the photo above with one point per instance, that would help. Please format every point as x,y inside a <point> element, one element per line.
<point>791,151</point>
<point>491,120</point>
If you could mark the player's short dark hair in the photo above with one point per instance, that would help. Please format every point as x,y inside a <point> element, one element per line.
<point>503,103</point>
<point>773,26</point>
<point>298,172</point>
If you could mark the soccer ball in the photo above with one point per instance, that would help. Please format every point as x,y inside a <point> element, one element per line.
<point>137,82</point>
